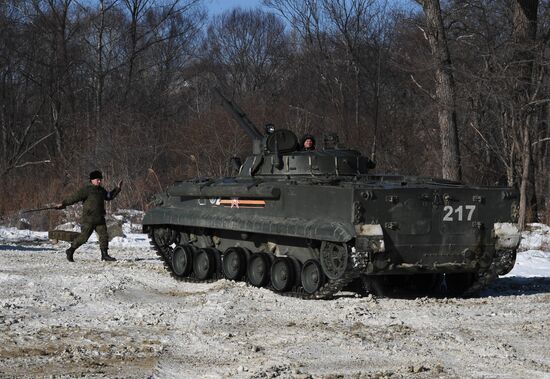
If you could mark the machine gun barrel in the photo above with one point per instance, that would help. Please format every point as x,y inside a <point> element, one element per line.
<point>241,117</point>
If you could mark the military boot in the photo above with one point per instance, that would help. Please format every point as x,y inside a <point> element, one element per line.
<point>106,257</point>
<point>70,253</point>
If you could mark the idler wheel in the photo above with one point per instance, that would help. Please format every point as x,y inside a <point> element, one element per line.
<point>182,260</point>
<point>312,276</point>
<point>282,274</point>
<point>204,264</point>
<point>234,263</point>
<point>258,270</point>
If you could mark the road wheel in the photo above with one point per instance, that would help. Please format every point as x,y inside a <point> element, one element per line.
<point>182,260</point>
<point>282,274</point>
<point>204,264</point>
<point>234,263</point>
<point>258,270</point>
<point>312,276</point>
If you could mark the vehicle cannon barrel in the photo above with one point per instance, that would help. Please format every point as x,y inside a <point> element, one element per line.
<point>241,117</point>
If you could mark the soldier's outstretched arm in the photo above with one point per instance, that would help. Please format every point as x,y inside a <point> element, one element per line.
<point>112,194</point>
<point>79,195</point>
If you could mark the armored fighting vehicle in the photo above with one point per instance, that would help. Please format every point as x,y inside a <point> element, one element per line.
<point>311,223</point>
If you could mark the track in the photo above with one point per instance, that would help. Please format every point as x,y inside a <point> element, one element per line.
<point>502,263</point>
<point>480,280</point>
<point>327,291</point>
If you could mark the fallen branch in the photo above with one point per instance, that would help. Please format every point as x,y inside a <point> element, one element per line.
<point>32,163</point>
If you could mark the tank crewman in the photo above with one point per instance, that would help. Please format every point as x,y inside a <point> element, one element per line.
<point>308,142</point>
<point>269,128</point>
<point>93,197</point>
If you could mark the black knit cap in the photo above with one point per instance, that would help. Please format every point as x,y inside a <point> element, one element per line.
<point>96,175</point>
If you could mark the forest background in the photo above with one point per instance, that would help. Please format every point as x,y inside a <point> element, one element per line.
<point>458,89</point>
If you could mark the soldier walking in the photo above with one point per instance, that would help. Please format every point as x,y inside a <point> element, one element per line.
<point>93,197</point>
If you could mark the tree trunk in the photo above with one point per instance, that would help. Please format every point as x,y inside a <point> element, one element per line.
<point>525,171</point>
<point>445,90</point>
<point>100,77</point>
<point>525,34</point>
<point>134,7</point>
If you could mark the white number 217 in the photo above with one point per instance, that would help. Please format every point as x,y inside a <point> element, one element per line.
<point>459,211</point>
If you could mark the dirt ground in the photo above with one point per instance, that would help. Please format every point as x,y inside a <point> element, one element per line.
<point>131,319</point>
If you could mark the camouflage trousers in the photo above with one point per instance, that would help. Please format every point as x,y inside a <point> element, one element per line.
<point>86,232</point>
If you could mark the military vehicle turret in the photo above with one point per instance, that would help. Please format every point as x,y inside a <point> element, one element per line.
<point>309,223</point>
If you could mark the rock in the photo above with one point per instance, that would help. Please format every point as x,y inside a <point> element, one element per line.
<point>114,229</point>
<point>69,226</point>
<point>418,368</point>
<point>23,224</point>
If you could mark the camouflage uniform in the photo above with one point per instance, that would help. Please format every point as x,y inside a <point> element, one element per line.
<point>93,213</point>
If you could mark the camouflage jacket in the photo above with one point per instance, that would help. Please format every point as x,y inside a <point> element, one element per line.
<point>93,198</point>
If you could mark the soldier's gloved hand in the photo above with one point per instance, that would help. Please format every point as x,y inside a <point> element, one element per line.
<point>120,184</point>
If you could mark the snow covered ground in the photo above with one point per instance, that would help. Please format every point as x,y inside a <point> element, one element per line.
<point>131,319</point>
<point>534,259</point>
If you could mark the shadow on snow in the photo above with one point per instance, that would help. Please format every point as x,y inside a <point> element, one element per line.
<point>516,286</point>
<point>25,248</point>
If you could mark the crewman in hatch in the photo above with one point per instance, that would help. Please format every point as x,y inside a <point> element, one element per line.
<point>308,142</point>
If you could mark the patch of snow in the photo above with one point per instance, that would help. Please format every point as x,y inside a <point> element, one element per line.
<point>138,240</point>
<point>14,235</point>
<point>536,237</point>
<point>530,264</point>
<point>131,220</point>
<point>128,228</point>
<point>69,226</point>
<point>82,319</point>
<point>533,260</point>
<point>130,213</point>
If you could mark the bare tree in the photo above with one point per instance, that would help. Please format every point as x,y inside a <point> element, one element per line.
<point>361,27</point>
<point>444,90</point>
<point>22,133</point>
<point>121,85</point>
<point>53,56</point>
<point>18,143</point>
<point>247,50</point>
<point>344,45</point>
<point>527,88</point>
<point>101,42</point>
<point>147,27</point>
